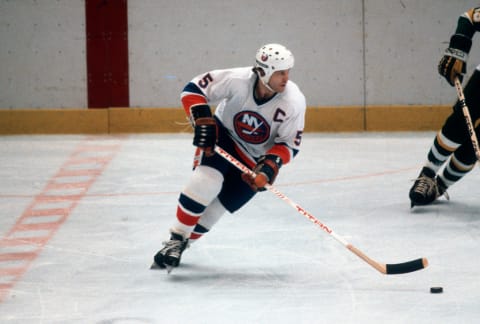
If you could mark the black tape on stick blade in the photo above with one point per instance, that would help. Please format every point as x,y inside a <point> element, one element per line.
<point>405,267</point>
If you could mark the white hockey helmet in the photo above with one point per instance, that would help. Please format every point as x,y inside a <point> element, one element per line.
<point>271,58</point>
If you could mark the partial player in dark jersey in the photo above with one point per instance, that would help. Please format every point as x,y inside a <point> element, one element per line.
<point>451,155</point>
<point>259,119</point>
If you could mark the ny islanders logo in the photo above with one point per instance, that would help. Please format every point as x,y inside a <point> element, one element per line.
<point>251,127</point>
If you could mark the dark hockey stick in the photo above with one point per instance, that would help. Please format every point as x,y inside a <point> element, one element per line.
<point>397,268</point>
<point>468,119</point>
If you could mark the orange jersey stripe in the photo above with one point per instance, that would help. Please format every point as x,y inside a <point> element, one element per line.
<point>282,151</point>
<point>192,99</point>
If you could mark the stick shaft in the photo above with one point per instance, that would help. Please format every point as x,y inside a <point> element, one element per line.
<point>468,119</point>
<point>280,195</point>
<point>382,268</point>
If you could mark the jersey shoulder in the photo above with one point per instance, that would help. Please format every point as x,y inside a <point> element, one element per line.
<point>294,96</point>
<point>233,73</point>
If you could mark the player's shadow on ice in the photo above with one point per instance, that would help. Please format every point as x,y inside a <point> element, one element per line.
<point>455,209</point>
<point>187,272</point>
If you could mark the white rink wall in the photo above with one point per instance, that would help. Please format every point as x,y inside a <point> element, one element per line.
<point>42,54</point>
<point>360,53</point>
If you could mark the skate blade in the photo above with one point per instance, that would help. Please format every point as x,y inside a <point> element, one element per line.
<point>155,266</point>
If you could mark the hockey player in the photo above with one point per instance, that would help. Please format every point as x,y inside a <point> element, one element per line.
<point>259,119</point>
<point>452,147</point>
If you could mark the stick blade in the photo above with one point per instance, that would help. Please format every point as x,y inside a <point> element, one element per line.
<point>407,267</point>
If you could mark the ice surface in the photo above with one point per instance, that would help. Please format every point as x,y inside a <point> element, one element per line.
<point>264,264</point>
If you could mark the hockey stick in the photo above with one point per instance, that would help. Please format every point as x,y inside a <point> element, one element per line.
<point>468,119</point>
<point>397,268</point>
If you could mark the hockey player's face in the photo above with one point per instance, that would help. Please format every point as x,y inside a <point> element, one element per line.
<point>278,80</point>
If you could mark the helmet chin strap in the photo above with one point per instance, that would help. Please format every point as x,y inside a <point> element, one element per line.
<point>259,74</point>
<point>265,83</point>
<point>267,86</point>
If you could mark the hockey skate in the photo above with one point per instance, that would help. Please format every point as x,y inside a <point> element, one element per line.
<point>427,188</point>
<point>424,190</point>
<point>169,257</point>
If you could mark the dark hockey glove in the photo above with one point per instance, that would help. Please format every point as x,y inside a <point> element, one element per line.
<point>205,129</point>
<point>265,172</point>
<point>454,61</point>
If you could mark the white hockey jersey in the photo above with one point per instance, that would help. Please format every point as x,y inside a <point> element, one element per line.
<point>256,126</point>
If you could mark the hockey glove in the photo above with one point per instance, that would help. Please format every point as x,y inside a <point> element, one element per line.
<point>205,129</point>
<point>454,61</point>
<point>265,172</point>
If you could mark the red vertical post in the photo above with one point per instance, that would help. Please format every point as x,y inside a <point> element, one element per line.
<point>107,53</point>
